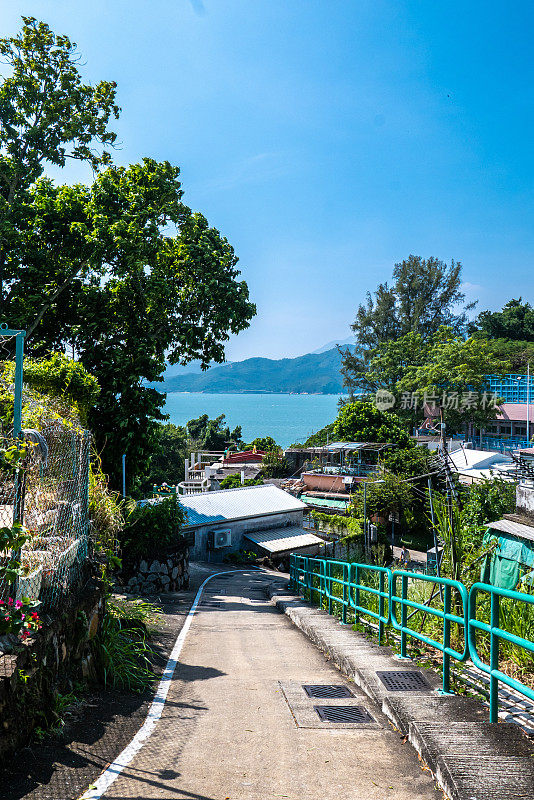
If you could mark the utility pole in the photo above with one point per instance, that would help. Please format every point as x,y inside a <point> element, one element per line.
<point>528,402</point>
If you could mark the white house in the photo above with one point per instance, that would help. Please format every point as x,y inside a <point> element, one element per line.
<point>263,519</point>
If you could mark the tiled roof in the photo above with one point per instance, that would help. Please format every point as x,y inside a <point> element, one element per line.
<point>231,504</point>
<point>515,412</point>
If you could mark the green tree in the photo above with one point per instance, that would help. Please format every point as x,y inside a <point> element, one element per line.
<point>514,322</point>
<point>211,434</point>
<point>425,294</point>
<point>274,465</point>
<point>47,115</point>
<point>121,271</point>
<point>234,481</point>
<point>263,443</point>
<point>443,370</point>
<point>363,422</point>
<point>167,464</point>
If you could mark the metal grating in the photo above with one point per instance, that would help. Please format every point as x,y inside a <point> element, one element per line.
<point>403,680</point>
<point>327,690</point>
<point>353,714</point>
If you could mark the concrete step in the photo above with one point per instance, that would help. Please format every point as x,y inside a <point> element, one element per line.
<point>433,740</point>
<point>486,777</point>
<point>402,710</point>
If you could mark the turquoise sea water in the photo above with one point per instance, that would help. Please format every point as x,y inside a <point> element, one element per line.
<point>287,418</point>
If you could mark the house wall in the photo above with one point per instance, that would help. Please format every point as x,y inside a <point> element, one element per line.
<point>199,550</point>
<point>524,497</point>
<point>323,483</point>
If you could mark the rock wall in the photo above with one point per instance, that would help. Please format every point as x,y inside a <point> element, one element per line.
<point>31,672</point>
<point>168,573</point>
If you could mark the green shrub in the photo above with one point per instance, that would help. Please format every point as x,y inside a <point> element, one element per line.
<point>122,655</point>
<point>234,481</point>
<point>151,530</point>
<point>274,465</point>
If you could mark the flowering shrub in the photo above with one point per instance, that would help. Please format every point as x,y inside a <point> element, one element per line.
<point>16,616</point>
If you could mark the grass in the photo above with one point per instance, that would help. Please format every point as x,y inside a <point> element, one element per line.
<point>516,618</point>
<point>121,648</point>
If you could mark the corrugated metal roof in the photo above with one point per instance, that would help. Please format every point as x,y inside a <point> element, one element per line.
<point>513,528</point>
<point>231,504</point>
<point>279,540</point>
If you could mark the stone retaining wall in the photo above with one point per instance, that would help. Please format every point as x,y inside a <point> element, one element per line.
<point>33,671</point>
<point>168,573</point>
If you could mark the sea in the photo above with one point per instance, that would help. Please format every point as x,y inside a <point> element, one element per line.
<point>288,418</point>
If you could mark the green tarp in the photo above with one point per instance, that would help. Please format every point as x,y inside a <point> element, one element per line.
<point>510,560</point>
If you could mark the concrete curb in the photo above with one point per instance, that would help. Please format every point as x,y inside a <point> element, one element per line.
<point>470,758</point>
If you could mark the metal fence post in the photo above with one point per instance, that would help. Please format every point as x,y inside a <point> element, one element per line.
<point>494,659</point>
<point>380,606</point>
<point>345,593</point>
<point>446,641</point>
<point>356,592</point>
<point>328,583</point>
<point>404,615</point>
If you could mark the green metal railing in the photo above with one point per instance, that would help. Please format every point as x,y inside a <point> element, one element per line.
<point>446,615</point>
<point>496,634</point>
<point>339,584</point>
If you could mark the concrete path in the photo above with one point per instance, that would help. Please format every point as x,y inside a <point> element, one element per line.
<point>238,726</point>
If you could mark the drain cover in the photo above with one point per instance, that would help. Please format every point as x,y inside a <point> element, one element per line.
<point>327,690</point>
<point>403,680</point>
<point>343,714</point>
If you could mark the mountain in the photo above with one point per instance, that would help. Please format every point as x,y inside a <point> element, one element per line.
<point>313,373</point>
<point>334,343</point>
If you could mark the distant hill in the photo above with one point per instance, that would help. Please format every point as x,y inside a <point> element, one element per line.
<point>314,373</point>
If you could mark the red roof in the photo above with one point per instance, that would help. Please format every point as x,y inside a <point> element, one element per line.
<point>245,457</point>
<point>515,412</point>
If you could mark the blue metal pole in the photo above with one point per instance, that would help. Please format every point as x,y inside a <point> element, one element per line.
<point>19,358</point>
<point>124,475</point>
<point>494,658</point>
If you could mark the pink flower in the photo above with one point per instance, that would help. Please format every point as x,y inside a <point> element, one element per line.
<point>10,601</point>
<point>19,604</point>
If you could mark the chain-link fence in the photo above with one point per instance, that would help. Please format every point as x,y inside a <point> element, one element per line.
<point>49,496</point>
<point>46,490</point>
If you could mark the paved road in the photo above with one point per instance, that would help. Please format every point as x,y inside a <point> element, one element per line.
<point>228,732</point>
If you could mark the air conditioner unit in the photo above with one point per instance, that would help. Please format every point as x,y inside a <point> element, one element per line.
<point>221,538</point>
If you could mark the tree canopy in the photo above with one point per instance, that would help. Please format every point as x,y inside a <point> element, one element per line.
<point>120,271</point>
<point>515,322</point>
<point>424,295</point>
<point>443,370</point>
<point>363,422</point>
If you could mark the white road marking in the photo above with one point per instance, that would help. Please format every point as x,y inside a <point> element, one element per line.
<point>96,790</point>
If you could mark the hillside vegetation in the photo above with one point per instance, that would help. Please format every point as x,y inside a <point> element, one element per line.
<point>315,373</point>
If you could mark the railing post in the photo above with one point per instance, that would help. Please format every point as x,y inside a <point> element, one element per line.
<point>404,615</point>
<point>356,592</point>
<point>446,640</point>
<point>328,584</point>
<point>380,606</point>
<point>494,659</point>
<point>346,572</point>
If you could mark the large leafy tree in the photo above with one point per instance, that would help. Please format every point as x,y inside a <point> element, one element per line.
<point>515,322</point>
<point>363,422</point>
<point>47,115</point>
<point>443,370</point>
<point>424,295</point>
<point>122,271</point>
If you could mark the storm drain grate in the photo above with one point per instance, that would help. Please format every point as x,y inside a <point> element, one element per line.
<point>344,714</point>
<point>403,680</point>
<point>327,690</point>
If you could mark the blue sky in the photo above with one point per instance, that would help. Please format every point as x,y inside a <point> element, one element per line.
<point>328,139</point>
